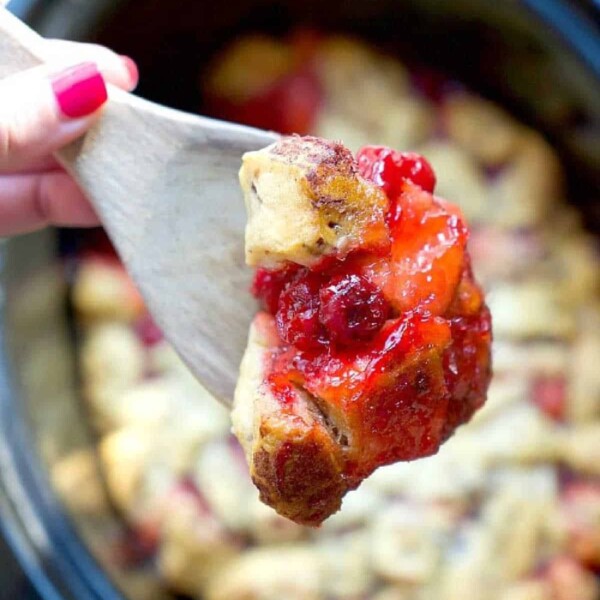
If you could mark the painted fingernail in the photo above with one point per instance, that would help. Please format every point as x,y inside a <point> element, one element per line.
<point>80,90</point>
<point>134,74</point>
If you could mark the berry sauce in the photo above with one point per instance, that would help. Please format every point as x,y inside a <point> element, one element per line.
<point>397,343</point>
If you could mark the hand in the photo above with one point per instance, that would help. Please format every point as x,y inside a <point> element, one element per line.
<point>42,110</point>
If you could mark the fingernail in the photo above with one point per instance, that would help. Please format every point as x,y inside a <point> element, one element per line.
<point>134,74</point>
<point>80,90</point>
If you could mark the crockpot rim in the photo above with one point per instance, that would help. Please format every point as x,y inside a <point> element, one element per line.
<point>53,556</point>
<point>571,21</point>
<point>573,28</point>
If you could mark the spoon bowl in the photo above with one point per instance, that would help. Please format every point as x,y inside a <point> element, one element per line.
<point>165,186</point>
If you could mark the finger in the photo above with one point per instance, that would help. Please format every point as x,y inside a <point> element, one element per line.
<point>38,165</point>
<point>32,123</point>
<point>118,70</point>
<point>29,202</point>
<point>40,113</point>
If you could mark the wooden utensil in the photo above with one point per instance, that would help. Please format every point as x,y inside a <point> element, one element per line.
<point>165,186</point>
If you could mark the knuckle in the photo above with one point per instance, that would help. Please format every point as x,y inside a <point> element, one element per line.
<point>42,200</point>
<point>10,140</point>
<point>5,142</point>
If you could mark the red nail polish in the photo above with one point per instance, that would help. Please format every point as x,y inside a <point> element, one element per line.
<point>134,73</point>
<point>80,90</point>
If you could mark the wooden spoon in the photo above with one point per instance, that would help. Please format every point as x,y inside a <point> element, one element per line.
<point>165,185</point>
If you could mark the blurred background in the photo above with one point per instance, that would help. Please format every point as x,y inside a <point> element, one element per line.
<point>118,474</point>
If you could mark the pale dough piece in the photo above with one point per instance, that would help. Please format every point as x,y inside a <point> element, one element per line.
<point>358,80</point>
<point>531,184</point>
<point>536,589</point>
<point>407,542</point>
<point>272,573</point>
<point>481,128</point>
<point>103,290</point>
<point>459,179</point>
<point>584,378</point>
<point>581,448</point>
<point>78,481</point>
<point>248,67</point>
<point>271,438</point>
<point>346,569</point>
<point>305,199</point>
<point>194,545</point>
<point>530,309</point>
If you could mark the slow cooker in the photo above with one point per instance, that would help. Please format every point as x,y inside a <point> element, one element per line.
<point>538,58</point>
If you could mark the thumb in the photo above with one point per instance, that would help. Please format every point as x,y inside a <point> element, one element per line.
<point>42,110</point>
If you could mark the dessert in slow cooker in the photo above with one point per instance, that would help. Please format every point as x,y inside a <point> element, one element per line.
<point>509,508</point>
<point>373,342</point>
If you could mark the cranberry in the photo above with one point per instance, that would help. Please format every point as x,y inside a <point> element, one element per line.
<point>389,169</point>
<point>377,164</point>
<point>549,394</point>
<point>305,45</point>
<point>467,367</point>
<point>297,100</point>
<point>186,487</point>
<point>268,285</point>
<point>297,317</point>
<point>580,505</point>
<point>434,85</point>
<point>352,309</point>
<point>148,331</point>
<point>565,574</point>
<point>137,545</point>
<point>288,106</point>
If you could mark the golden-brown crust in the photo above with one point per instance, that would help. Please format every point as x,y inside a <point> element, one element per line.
<point>298,470</point>
<point>311,150</point>
<point>307,451</point>
<point>294,456</point>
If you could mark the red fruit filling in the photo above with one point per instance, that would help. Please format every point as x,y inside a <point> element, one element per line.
<point>297,315</point>
<point>394,346</point>
<point>137,545</point>
<point>389,169</point>
<point>352,309</point>
<point>549,393</point>
<point>268,285</point>
<point>290,105</point>
<point>580,507</point>
<point>389,392</point>
<point>427,256</point>
<point>148,331</point>
<point>570,580</point>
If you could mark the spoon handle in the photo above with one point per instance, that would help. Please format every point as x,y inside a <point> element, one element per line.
<point>133,144</point>
<point>20,47</point>
<point>165,186</point>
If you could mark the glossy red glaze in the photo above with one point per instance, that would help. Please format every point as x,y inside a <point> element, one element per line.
<point>389,169</point>
<point>352,309</point>
<point>268,284</point>
<point>297,315</point>
<point>427,255</point>
<point>288,106</point>
<point>395,345</point>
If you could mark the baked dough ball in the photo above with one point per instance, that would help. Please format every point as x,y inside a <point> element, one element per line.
<point>306,200</point>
